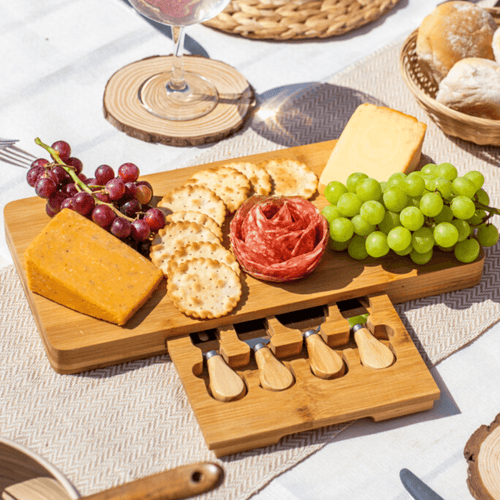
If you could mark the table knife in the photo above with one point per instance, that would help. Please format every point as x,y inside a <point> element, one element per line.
<point>416,487</point>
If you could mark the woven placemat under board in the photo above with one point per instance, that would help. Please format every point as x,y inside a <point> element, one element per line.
<point>297,19</point>
<point>111,425</point>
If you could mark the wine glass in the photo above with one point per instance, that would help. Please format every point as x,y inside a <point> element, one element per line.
<point>179,95</point>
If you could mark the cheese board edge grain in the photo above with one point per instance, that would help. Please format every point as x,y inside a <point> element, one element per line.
<point>75,342</point>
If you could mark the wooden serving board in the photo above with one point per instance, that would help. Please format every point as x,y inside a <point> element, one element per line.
<point>75,342</point>
<point>261,417</point>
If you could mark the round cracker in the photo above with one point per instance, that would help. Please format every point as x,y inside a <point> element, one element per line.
<point>174,236</point>
<point>205,249</point>
<point>194,198</point>
<point>231,186</point>
<point>198,217</point>
<point>204,288</point>
<point>291,178</point>
<point>258,176</point>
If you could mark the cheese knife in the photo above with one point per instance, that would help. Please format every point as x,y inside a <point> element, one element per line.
<point>173,484</point>
<point>372,352</point>
<point>325,362</point>
<point>225,384</point>
<point>416,487</point>
<point>273,374</point>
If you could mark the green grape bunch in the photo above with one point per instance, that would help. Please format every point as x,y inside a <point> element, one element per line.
<point>411,214</point>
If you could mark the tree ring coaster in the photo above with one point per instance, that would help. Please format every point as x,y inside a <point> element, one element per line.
<point>123,109</point>
<point>482,453</point>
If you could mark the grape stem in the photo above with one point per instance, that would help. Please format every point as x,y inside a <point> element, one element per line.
<point>80,185</point>
<point>492,210</point>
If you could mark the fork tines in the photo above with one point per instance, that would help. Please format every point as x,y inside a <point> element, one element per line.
<point>7,142</point>
<point>16,156</point>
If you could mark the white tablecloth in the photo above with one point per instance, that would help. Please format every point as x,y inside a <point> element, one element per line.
<point>57,56</point>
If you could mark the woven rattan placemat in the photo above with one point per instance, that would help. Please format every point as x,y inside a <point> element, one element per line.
<point>297,19</point>
<point>108,426</point>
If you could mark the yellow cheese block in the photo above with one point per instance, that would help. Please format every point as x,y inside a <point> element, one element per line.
<point>81,266</point>
<point>377,141</point>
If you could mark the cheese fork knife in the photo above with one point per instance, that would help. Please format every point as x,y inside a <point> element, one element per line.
<point>273,374</point>
<point>372,352</point>
<point>225,384</point>
<point>325,362</point>
<point>416,487</point>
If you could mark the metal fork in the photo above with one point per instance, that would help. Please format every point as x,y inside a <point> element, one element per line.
<point>9,153</point>
<point>7,142</point>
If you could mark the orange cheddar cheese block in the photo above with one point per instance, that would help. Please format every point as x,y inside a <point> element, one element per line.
<point>77,264</point>
<point>377,141</point>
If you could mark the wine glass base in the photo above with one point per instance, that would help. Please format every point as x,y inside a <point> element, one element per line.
<point>123,109</point>
<point>197,99</point>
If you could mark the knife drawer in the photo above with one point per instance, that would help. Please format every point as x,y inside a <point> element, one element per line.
<point>261,417</point>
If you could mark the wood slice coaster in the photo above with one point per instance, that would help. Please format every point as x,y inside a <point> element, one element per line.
<point>123,109</point>
<point>482,452</point>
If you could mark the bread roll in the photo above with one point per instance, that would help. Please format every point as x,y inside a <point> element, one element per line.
<point>496,45</point>
<point>454,31</point>
<point>472,86</point>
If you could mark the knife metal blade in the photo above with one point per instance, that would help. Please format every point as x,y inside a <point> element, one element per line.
<point>416,487</point>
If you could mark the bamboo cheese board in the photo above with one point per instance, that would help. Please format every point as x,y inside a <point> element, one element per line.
<point>75,342</point>
<point>265,411</point>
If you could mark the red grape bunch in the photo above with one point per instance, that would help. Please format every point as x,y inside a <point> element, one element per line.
<point>118,202</point>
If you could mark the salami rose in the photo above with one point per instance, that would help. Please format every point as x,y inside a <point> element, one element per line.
<point>278,238</point>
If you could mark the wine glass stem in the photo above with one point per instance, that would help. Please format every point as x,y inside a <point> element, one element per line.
<point>177,82</point>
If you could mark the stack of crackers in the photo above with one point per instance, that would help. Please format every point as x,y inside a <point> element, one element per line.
<point>203,275</point>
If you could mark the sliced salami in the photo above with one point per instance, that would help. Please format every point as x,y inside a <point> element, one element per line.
<point>278,238</point>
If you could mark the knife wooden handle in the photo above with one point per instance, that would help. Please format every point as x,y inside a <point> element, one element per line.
<point>371,351</point>
<point>325,362</point>
<point>225,383</point>
<point>273,374</point>
<point>173,484</point>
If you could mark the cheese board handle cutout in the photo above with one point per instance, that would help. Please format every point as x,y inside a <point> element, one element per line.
<point>233,350</point>
<point>325,362</point>
<point>381,311</point>
<point>372,352</point>
<point>335,330</point>
<point>273,374</point>
<point>225,384</point>
<point>285,341</point>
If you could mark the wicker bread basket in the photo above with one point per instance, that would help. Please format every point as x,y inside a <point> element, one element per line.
<point>422,85</point>
<point>297,19</point>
